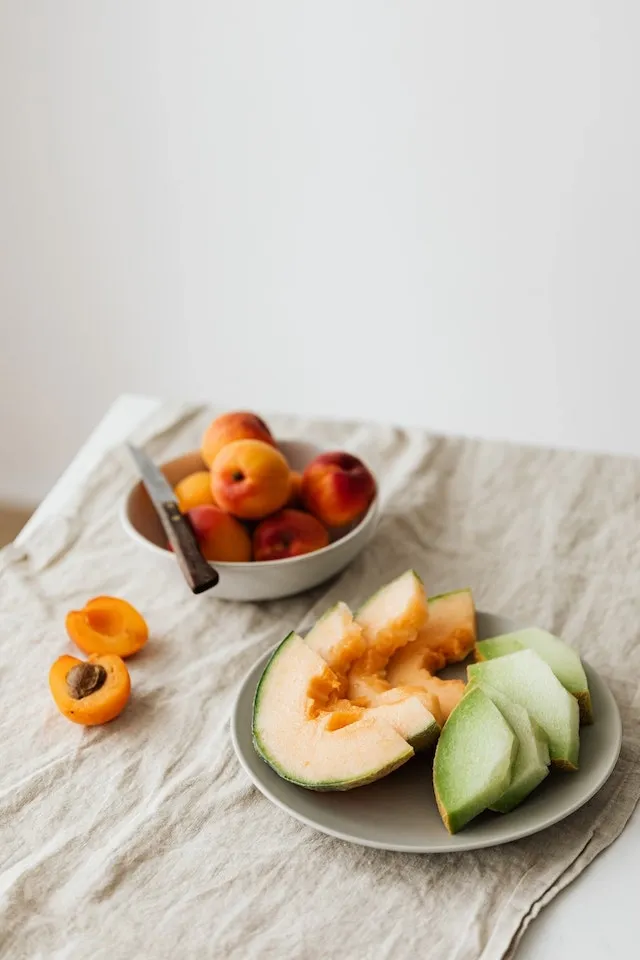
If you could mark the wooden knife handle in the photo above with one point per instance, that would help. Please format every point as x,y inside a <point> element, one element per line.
<point>196,570</point>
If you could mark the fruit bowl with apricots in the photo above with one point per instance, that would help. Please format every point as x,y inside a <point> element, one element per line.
<point>273,517</point>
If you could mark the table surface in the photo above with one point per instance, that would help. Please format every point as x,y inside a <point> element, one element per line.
<point>595,916</point>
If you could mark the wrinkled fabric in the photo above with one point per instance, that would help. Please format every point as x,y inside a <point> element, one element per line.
<point>144,838</point>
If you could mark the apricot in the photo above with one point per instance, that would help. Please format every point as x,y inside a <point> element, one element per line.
<point>289,533</point>
<point>107,625</point>
<point>90,692</point>
<point>295,489</point>
<point>250,479</point>
<point>194,491</point>
<point>240,425</point>
<point>337,488</point>
<point>221,536</point>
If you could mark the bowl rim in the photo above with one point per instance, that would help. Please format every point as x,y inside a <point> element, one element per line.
<point>367,518</point>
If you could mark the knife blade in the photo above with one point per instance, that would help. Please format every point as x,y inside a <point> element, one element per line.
<point>197,571</point>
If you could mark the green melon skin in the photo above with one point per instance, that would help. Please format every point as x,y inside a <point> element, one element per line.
<point>372,748</point>
<point>525,678</point>
<point>563,660</point>
<point>474,760</point>
<point>532,762</point>
<point>426,738</point>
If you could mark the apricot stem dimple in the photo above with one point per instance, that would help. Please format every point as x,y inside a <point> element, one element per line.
<point>84,679</point>
<point>237,475</point>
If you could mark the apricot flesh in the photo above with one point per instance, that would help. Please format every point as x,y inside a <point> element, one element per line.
<point>91,692</point>
<point>107,625</point>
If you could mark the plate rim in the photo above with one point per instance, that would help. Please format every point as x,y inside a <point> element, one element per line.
<point>458,847</point>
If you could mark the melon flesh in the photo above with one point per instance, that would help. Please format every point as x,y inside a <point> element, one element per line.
<point>474,760</point>
<point>388,620</point>
<point>337,638</point>
<point>298,742</point>
<point>532,762</point>
<point>525,678</point>
<point>563,660</point>
<point>409,717</point>
<point>393,615</point>
<point>447,637</point>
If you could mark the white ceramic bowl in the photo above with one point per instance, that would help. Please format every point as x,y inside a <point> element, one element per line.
<point>257,580</point>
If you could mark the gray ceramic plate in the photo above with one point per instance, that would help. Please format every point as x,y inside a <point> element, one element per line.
<point>399,812</point>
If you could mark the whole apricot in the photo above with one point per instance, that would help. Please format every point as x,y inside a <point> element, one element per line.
<point>194,491</point>
<point>250,479</point>
<point>220,536</point>
<point>288,533</point>
<point>239,425</point>
<point>337,488</point>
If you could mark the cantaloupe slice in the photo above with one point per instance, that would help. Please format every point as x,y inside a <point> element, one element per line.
<point>409,717</point>
<point>448,636</point>
<point>393,615</point>
<point>563,660</point>
<point>474,760</point>
<point>525,678</point>
<point>390,619</point>
<point>337,638</point>
<point>532,762</point>
<point>298,741</point>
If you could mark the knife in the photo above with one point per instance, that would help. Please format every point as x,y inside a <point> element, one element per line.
<point>198,573</point>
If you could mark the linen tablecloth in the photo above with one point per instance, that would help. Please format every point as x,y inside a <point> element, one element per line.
<point>144,838</point>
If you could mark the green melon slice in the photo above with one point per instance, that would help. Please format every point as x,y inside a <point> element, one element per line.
<point>474,760</point>
<point>298,745</point>
<point>393,615</point>
<point>525,678</point>
<point>563,660</point>
<point>532,762</point>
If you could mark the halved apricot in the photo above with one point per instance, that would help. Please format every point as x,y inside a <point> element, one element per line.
<point>90,692</point>
<point>107,625</point>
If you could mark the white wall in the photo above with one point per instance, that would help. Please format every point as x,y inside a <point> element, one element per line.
<point>419,211</point>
